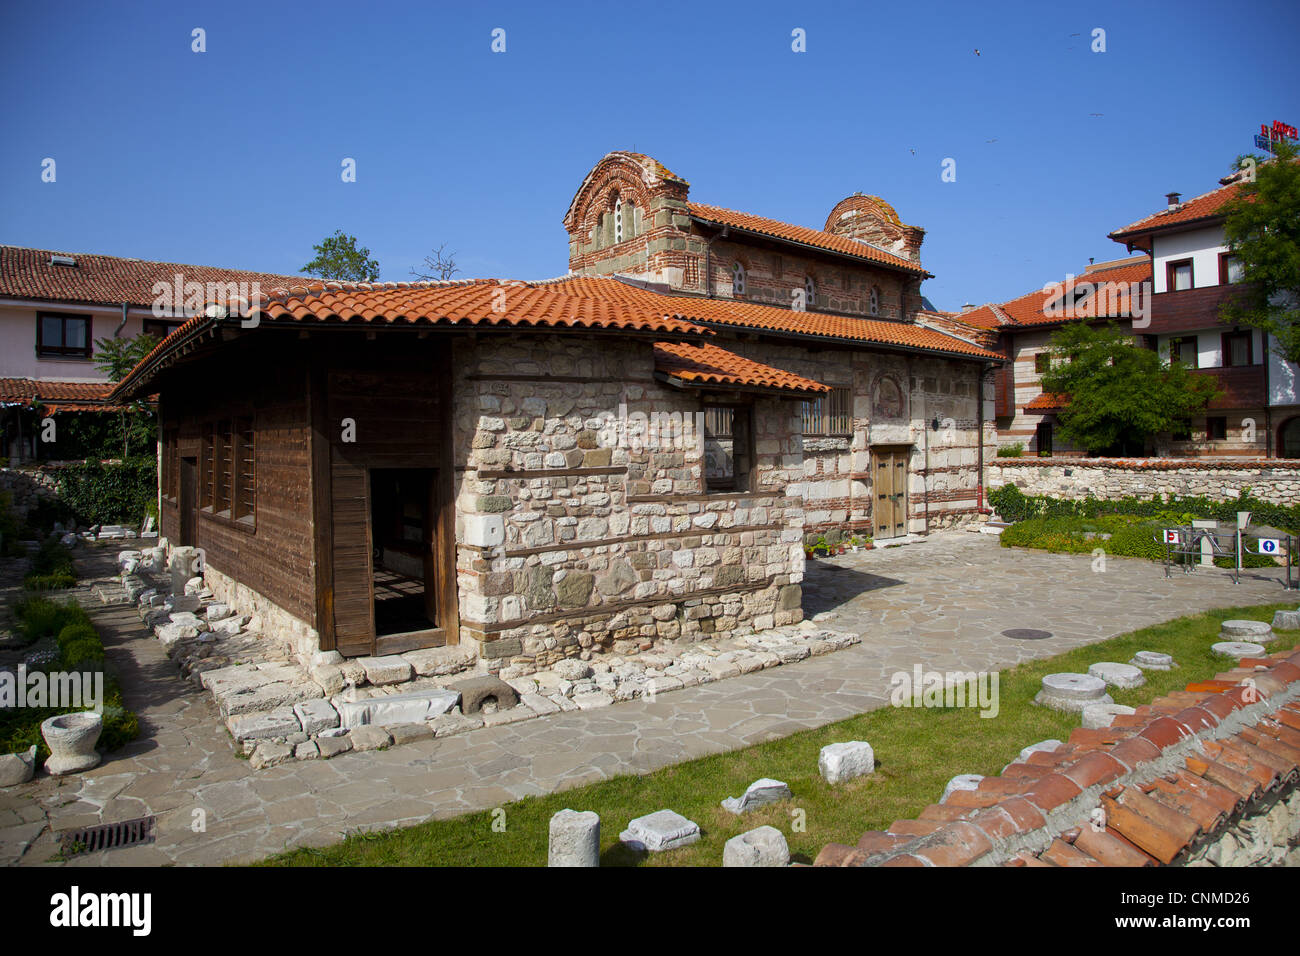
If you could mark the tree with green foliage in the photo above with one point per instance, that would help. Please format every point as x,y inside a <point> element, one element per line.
<point>115,357</point>
<point>337,257</point>
<point>1120,395</point>
<point>1262,228</point>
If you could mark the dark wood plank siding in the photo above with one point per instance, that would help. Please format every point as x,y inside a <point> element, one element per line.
<point>273,554</point>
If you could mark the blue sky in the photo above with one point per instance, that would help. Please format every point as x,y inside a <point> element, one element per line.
<point>232,157</point>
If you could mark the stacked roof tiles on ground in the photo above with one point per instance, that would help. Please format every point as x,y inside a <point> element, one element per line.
<point>1154,788</point>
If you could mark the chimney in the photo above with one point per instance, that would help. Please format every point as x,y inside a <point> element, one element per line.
<point>967,306</point>
<point>1172,199</point>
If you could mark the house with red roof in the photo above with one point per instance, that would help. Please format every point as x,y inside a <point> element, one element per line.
<point>56,306</point>
<point>632,452</point>
<point>1193,276</point>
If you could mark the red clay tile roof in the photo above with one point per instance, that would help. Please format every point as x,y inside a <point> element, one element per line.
<point>802,234</point>
<point>1031,308</point>
<point>1048,402</point>
<point>1207,206</point>
<point>707,364</point>
<point>110,280</point>
<point>1153,788</point>
<point>737,314</point>
<point>592,303</point>
<point>56,396</point>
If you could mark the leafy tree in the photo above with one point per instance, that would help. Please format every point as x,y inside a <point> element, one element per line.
<point>1263,230</point>
<point>115,358</point>
<point>1120,394</point>
<point>437,265</point>
<point>337,257</point>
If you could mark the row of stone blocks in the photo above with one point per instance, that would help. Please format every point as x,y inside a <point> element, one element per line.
<point>574,838</point>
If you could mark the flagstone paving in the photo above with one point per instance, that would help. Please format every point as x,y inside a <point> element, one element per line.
<point>941,603</point>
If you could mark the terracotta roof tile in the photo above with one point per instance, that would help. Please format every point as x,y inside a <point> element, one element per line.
<point>1206,206</point>
<point>707,364</point>
<point>110,280</point>
<point>809,237</point>
<point>1160,817</point>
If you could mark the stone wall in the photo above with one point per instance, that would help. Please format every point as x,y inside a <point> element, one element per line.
<point>25,486</point>
<point>267,617</point>
<point>1274,480</point>
<point>609,541</point>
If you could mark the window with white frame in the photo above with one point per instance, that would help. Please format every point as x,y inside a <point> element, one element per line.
<point>737,279</point>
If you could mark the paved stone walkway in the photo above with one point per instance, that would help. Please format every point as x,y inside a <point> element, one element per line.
<point>941,603</point>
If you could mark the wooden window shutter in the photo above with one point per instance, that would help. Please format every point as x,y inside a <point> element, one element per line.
<point>245,487</point>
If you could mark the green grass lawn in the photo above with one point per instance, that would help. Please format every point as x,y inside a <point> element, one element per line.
<point>917,751</point>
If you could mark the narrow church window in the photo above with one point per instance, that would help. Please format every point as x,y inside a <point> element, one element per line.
<point>618,221</point>
<point>874,303</point>
<point>737,279</point>
<point>809,292</point>
<point>728,448</point>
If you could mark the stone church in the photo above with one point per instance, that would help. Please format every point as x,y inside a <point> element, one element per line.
<point>635,451</point>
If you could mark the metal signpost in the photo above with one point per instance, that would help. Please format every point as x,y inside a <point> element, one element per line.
<point>1188,543</point>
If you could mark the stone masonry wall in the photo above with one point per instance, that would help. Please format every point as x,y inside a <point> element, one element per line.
<point>1275,481</point>
<point>609,541</point>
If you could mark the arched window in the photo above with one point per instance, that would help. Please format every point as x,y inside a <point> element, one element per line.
<point>873,303</point>
<point>809,292</point>
<point>737,279</point>
<point>618,220</point>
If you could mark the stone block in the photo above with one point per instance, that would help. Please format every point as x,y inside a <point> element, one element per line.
<point>1241,630</point>
<point>280,722</point>
<point>333,746</point>
<point>17,768</point>
<point>574,839</point>
<point>392,669</point>
<point>407,733</point>
<point>593,700</point>
<point>316,715</point>
<point>1096,716</point>
<point>1238,649</point>
<point>1153,661</point>
<point>369,738</point>
<point>1069,693</point>
<point>1122,676</point>
<point>269,753</point>
<point>412,707</point>
<point>660,831</point>
<point>758,794</point>
<point>1286,620</point>
<point>844,761</point>
<point>764,846</point>
<point>475,692</point>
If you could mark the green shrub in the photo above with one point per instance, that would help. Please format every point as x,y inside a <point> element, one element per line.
<point>1014,505</point>
<point>49,582</point>
<point>99,493</point>
<point>1014,450</point>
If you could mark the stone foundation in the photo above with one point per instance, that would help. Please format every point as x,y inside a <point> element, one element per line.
<point>266,617</point>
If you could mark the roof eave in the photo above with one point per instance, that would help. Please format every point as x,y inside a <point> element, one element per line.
<point>916,271</point>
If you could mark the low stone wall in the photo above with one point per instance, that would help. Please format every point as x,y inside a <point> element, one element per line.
<point>1276,481</point>
<point>268,618</point>
<point>25,486</point>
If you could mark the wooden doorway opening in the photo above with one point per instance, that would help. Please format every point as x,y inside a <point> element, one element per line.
<point>889,491</point>
<point>404,558</point>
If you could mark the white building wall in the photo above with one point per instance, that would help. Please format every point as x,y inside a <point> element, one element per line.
<point>1202,246</point>
<point>18,358</point>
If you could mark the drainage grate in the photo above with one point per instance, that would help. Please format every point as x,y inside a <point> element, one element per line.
<point>1026,634</point>
<point>108,836</point>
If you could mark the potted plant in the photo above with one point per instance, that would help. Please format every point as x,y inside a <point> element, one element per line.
<point>71,739</point>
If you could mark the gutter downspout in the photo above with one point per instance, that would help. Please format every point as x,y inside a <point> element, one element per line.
<point>118,331</point>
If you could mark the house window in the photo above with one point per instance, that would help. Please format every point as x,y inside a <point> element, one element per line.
<point>873,301</point>
<point>809,292</point>
<point>831,415</point>
<point>159,329</point>
<point>245,492</point>
<point>1042,362</point>
<point>60,334</point>
<point>728,447</point>
<point>1216,428</point>
<point>737,279</point>
<point>1178,275</point>
<point>1231,270</point>
<point>1184,350</point>
<point>1237,349</point>
<point>618,221</point>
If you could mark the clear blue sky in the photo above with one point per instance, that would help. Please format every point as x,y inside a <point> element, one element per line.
<point>232,157</point>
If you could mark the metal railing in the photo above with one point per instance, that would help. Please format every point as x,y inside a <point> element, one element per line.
<point>1186,545</point>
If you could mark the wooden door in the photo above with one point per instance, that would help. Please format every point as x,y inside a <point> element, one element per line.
<point>889,492</point>
<point>189,500</point>
<point>354,605</point>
